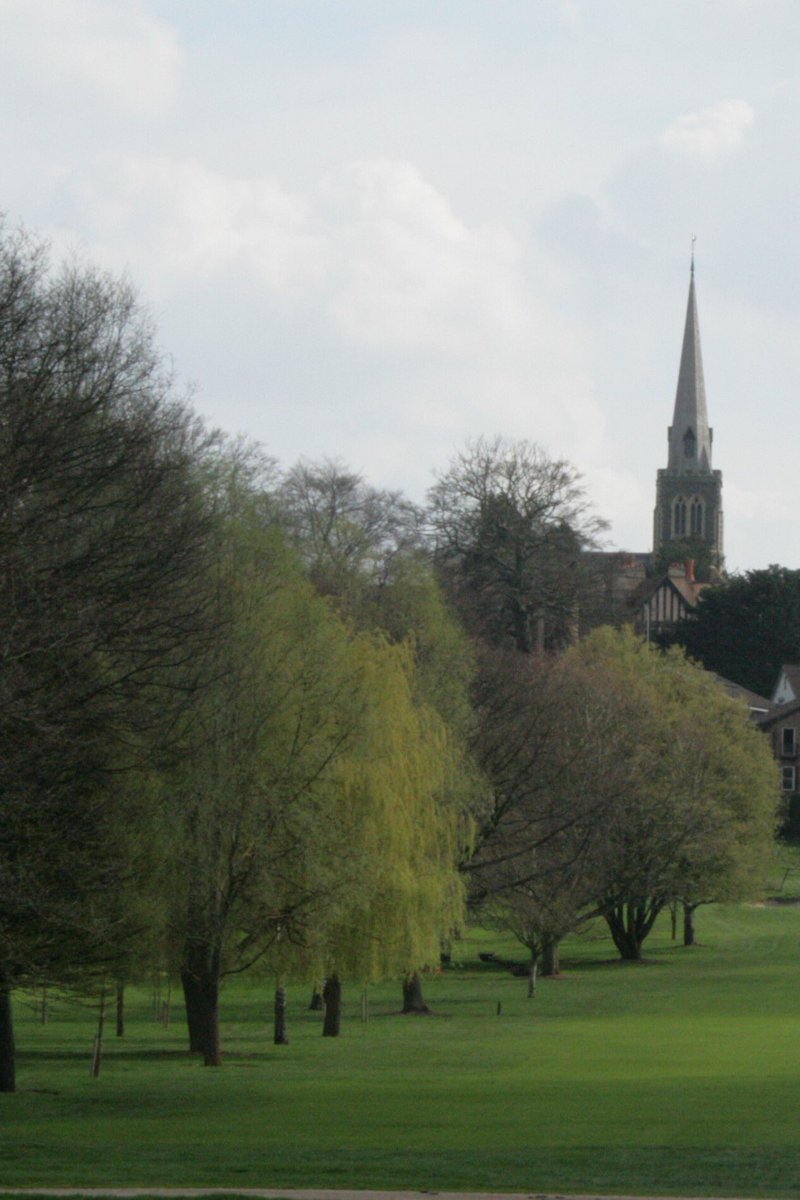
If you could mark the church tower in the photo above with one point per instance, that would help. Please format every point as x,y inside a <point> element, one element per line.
<point>689,493</point>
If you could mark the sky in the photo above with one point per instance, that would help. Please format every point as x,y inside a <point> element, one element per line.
<point>371,230</point>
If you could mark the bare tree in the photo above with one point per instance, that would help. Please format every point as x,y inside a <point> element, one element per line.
<point>343,527</point>
<point>509,526</point>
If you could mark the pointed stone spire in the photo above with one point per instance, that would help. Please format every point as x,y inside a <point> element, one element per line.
<point>689,493</point>
<point>689,435</point>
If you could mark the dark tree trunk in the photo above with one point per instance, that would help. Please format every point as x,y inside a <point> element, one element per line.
<point>317,1004</point>
<point>532,974</point>
<point>97,1056</point>
<point>522,627</point>
<point>120,1009</point>
<point>192,1001</point>
<point>200,978</point>
<point>630,924</point>
<point>688,924</point>
<point>7,1052</point>
<point>332,997</point>
<point>550,957</point>
<point>281,1037</point>
<point>413,1000</point>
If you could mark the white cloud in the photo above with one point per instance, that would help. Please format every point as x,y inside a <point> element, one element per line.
<point>461,319</point>
<point>174,219</point>
<point>114,51</point>
<point>713,133</point>
<point>413,276</point>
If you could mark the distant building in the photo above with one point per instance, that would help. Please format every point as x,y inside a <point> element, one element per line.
<point>665,600</point>
<point>759,707</point>
<point>688,491</point>
<point>655,590</point>
<point>788,686</point>
<point>782,724</point>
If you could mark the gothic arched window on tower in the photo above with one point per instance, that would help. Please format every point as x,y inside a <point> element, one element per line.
<point>689,443</point>
<point>696,517</point>
<point>679,517</point>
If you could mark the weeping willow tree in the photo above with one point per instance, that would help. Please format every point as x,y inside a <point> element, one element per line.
<point>255,802</point>
<point>314,831</point>
<point>362,548</point>
<point>398,885</point>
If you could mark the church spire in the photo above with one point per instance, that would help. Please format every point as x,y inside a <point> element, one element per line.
<point>689,435</point>
<point>688,514</point>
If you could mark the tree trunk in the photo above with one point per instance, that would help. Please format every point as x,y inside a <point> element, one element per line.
<point>532,974</point>
<point>630,924</point>
<point>200,978</point>
<point>281,1037</point>
<point>413,1000</point>
<point>688,924</point>
<point>522,627</point>
<point>97,1055</point>
<point>550,956</point>
<point>120,1009</point>
<point>7,1052</point>
<point>193,1003</point>
<point>332,997</point>
<point>317,1003</point>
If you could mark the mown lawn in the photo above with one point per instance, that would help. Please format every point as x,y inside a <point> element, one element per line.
<point>679,1075</point>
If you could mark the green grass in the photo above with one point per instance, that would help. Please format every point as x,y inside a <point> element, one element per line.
<point>677,1076</point>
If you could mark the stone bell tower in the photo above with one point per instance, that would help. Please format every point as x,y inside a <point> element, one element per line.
<point>688,492</point>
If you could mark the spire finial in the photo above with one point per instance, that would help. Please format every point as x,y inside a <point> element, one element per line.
<point>694,239</point>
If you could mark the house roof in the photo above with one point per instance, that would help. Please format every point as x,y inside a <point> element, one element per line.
<point>759,706</point>
<point>792,673</point>
<point>689,590</point>
<point>779,712</point>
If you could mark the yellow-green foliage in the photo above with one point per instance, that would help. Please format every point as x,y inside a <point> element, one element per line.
<point>701,795</point>
<point>404,892</point>
<point>316,831</point>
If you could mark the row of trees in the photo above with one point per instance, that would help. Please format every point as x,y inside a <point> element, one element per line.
<point>285,720</point>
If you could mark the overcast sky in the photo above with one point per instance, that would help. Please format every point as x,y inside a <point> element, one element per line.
<point>372,229</point>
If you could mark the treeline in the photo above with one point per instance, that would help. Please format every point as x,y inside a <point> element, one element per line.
<point>278,719</point>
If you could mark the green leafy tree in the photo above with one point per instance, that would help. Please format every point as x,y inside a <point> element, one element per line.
<point>700,786</point>
<point>547,745</point>
<point>404,885</point>
<point>362,549</point>
<point>746,628</point>
<point>103,544</point>
<point>315,833</point>
<point>259,828</point>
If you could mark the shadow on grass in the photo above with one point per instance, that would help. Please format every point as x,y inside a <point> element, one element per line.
<point>111,1051</point>
<point>581,965</point>
<point>123,1054</point>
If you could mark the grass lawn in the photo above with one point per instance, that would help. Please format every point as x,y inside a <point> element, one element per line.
<point>679,1075</point>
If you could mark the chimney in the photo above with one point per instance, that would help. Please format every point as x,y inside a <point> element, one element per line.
<point>690,570</point>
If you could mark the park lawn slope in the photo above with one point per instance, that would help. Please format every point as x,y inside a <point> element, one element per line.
<point>680,1075</point>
